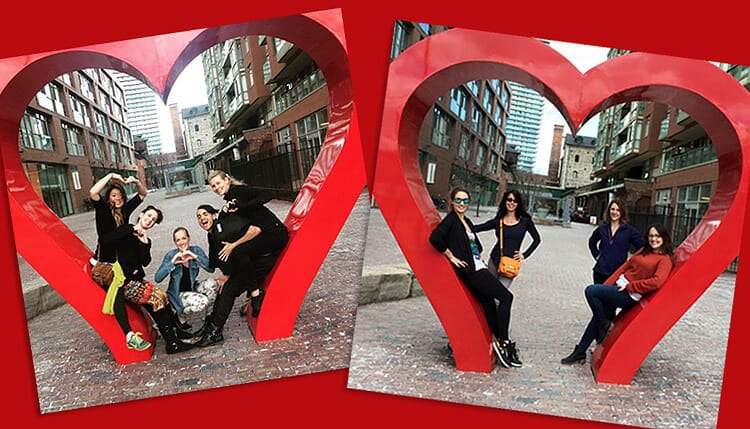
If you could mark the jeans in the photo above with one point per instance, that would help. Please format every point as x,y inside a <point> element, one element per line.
<point>604,300</point>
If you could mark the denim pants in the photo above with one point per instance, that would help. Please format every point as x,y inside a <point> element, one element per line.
<point>604,300</point>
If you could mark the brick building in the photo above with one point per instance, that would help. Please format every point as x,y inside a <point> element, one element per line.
<point>73,133</point>
<point>462,139</point>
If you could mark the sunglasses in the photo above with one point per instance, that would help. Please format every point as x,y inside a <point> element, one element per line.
<point>654,236</point>
<point>462,200</point>
<point>511,200</point>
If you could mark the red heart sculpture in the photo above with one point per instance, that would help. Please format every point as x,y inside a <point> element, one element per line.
<point>445,60</point>
<point>317,215</point>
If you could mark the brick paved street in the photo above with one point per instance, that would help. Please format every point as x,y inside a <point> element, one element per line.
<point>401,348</point>
<point>74,368</point>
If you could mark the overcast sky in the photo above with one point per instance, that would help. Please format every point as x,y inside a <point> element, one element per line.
<point>190,90</point>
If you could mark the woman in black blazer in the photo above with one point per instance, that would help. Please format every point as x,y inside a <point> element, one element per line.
<point>455,238</point>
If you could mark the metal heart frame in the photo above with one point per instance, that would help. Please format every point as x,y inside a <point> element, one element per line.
<point>435,65</point>
<point>316,216</point>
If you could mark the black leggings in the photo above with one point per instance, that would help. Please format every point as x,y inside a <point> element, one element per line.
<point>121,313</point>
<point>487,289</point>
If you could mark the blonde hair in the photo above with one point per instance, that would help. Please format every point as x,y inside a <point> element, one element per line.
<point>224,175</point>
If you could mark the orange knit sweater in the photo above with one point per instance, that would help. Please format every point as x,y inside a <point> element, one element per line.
<point>646,273</point>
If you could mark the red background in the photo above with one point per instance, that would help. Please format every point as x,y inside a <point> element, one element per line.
<point>715,30</point>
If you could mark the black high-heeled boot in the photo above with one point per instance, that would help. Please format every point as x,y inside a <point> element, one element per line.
<point>256,301</point>
<point>578,355</point>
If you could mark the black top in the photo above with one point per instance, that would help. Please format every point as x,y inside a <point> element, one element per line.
<point>132,253</point>
<point>105,224</point>
<point>229,228</point>
<point>512,236</point>
<point>451,234</point>
<point>250,205</point>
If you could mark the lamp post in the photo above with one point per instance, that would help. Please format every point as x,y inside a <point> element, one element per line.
<point>478,190</point>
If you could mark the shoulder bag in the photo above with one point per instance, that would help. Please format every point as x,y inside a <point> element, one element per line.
<point>508,267</point>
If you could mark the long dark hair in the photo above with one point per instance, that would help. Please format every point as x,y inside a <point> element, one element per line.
<point>666,247</point>
<point>502,210</point>
<point>456,190</point>
<point>623,211</point>
<point>116,212</point>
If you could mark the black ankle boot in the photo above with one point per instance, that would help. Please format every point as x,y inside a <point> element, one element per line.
<point>578,355</point>
<point>211,336</point>
<point>256,301</point>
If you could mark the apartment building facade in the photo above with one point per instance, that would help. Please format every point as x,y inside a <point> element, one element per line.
<point>462,140</point>
<point>73,133</point>
<point>269,111</point>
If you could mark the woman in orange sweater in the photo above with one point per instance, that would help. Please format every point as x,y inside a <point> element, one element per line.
<point>641,274</point>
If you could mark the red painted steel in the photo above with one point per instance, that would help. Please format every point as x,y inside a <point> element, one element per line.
<point>316,217</point>
<point>433,66</point>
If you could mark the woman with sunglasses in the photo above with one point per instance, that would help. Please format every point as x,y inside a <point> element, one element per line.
<point>643,273</point>
<point>516,223</point>
<point>455,237</point>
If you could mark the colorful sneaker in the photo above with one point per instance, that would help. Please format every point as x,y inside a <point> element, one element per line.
<point>135,342</point>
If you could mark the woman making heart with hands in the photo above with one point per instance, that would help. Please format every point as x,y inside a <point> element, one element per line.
<point>182,264</point>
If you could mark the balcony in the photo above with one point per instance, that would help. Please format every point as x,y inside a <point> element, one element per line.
<point>683,118</point>
<point>627,148</point>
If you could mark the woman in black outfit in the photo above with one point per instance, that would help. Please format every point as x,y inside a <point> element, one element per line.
<point>516,223</point>
<point>113,211</point>
<point>133,248</point>
<point>246,252</point>
<point>455,237</point>
<point>249,203</point>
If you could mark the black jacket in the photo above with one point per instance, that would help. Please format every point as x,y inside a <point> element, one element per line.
<point>512,236</point>
<point>451,234</point>
<point>250,205</point>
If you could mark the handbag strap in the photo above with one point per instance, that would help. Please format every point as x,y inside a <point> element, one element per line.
<point>501,237</point>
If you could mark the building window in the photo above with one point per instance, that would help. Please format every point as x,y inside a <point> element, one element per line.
<point>663,201</point>
<point>311,132</point>
<point>459,99</point>
<point>490,134</point>
<point>464,144</point>
<point>86,86</point>
<point>100,122</point>
<point>116,131</point>
<point>693,200</point>
<point>76,178</point>
<point>492,169</point>
<point>267,69</point>
<point>575,174</point>
<point>113,152</point>
<point>293,92</point>
<point>196,127</point>
<point>54,183</point>
<point>50,98</point>
<point>399,39</point>
<point>473,87</point>
<point>431,169</point>
<point>477,118</point>
<point>97,147</point>
<point>576,158</point>
<point>481,152</point>
<point>35,131</point>
<point>442,126</point>
<point>487,98</point>
<point>73,140</point>
<point>505,98</point>
<point>80,110</point>
<point>284,139</point>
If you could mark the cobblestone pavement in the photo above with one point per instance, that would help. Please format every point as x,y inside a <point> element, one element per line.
<point>400,347</point>
<point>74,368</point>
